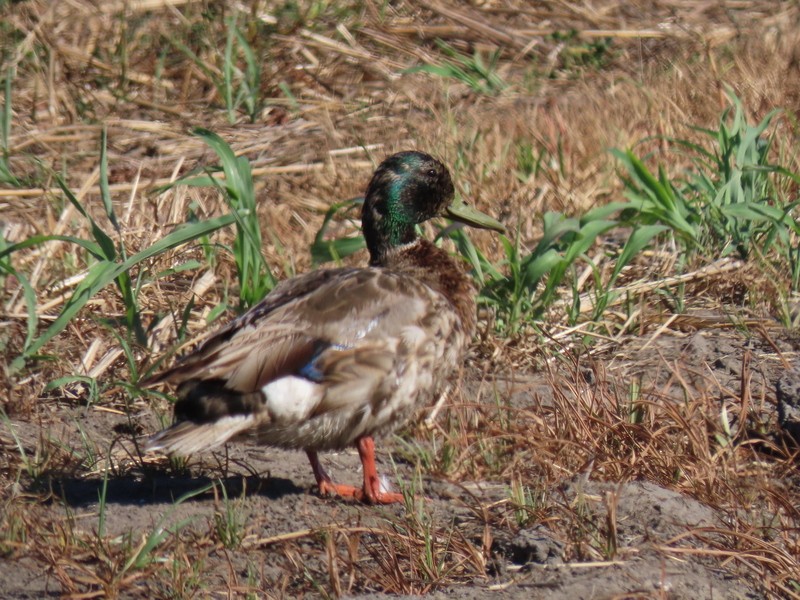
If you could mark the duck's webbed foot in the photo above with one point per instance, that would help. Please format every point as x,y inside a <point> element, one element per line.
<point>371,493</point>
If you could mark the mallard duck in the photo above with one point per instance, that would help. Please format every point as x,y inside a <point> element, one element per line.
<point>335,357</point>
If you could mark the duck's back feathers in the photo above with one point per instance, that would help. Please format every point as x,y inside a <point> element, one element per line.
<point>322,360</point>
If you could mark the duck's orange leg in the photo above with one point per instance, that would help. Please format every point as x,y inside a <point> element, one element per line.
<point>372,483</point>
<point>370,493</point>
<point>326,485</point>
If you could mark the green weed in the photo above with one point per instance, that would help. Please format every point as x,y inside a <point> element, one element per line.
<point>656,200</point>
<point>530,161</point>
<point>525,502</point>
<point>727,202</point>
<point>28,293</point>
<point>13,527</point>
<point>516,297</point>
<point>35,464</point>
<point>577,55</point>
<point>479,75</point>
<point>324,250</point>
<point>111,264</point>
<point>120,560</point>
<point>237,87</point>
<point>92,391</point>
<point>6,177</point>
<point>255,277</point>
<point>526,283</point>
<point>639,239</point>
<point>240,87</point>
<point>229,519</point>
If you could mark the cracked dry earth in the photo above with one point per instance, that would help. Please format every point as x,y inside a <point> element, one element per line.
<point>282,517</point>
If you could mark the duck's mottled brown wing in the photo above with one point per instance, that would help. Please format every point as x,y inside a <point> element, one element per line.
<point>285,292</point>
<point>329,325</point>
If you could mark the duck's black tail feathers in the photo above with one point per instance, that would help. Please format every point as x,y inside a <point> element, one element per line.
<point>207,415</point>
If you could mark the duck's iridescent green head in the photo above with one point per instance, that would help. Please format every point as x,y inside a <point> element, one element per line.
<point>409,188</point>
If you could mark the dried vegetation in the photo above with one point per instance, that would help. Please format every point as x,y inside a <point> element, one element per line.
<point>331,88</point>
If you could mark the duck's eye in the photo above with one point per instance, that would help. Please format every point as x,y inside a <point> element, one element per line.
<point>431,172</point>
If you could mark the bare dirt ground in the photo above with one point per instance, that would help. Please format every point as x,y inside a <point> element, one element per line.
<point>644,463</point>
<point>290,536</point>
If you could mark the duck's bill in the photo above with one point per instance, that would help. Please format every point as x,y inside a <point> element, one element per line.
<point>458,211</point>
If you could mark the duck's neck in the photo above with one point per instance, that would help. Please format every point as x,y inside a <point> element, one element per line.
<point>435,268</point>
<point>386,233</point>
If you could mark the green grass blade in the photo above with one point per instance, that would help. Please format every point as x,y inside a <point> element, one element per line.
<point>538,267</point>
<point>334,250</point>
<point>105,243</point>
<point>88,245</point>
<point>100,275</point>
<point>227,71</point>
<point>230,166</point>
<point>5,124</point>
<point>555,226</point>
<point>332,211</point>
<point>750,141</point>
<point>252,82</point>
<point>105,272</point>
<point>159,533</point>
<point>468,250</point>
<point>586,238</point>
<point>29,295</point>
<point>651,184</point>
<point>782,171</point>
<point>105,192</point>
<point>182,235</point>
<point>637,242</point>
<point>101,507</point>
<point>207,180</point>
<point>709,158</point>
<point>190,54</point>
<point>599,213</point>
<point>255,277</point>
<point>6,176</point>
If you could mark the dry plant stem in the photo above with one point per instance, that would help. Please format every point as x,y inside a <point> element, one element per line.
<point>718,268</point>
<point>127,187</point>
<point>478,25</point>
<point>430,420</point>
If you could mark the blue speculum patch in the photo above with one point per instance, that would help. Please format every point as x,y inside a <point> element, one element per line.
<point>311,370</point>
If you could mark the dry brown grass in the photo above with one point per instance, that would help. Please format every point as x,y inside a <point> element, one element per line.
<point>82,65</point>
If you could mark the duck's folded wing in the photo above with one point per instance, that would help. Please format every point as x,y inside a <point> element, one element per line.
<point>345,326</point>
<point>218,347</point>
